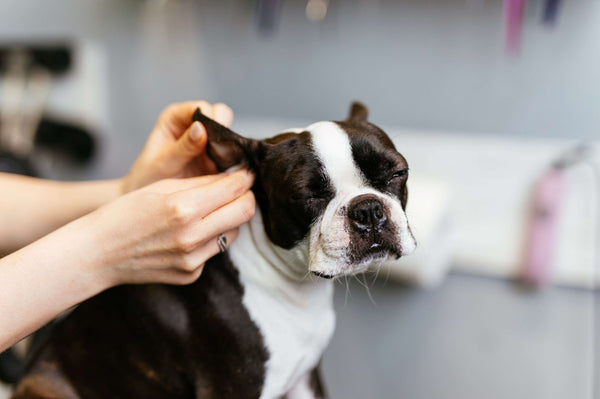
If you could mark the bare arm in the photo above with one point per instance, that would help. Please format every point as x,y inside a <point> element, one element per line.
<point>31,208</point>
<point>161,233</point>
<point>161,230</point>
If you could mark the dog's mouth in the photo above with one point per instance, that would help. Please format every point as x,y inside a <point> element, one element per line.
<point>323,275</point>
<point>361,262</point>
<point>376,251</point>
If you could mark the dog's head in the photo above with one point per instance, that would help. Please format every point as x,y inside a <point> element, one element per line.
<point>336,188</point>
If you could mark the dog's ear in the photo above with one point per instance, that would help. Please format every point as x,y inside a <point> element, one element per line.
<point>225,147</point>
<point>358,112</point>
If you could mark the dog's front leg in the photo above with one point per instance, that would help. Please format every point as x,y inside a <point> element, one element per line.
<point>309,386</point>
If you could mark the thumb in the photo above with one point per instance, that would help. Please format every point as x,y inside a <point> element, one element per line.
<point>190,144</point>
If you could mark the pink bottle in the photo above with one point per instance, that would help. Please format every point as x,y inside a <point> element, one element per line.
<point>514,10</point>
<point>547,199</point>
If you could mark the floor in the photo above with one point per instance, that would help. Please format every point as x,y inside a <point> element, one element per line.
<point>471,338</point>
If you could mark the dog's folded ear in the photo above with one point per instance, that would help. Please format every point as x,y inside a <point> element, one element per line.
<point>225,147</point>
<point>358,112</point>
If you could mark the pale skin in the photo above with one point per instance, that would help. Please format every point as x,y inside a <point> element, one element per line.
<point>159,224</point>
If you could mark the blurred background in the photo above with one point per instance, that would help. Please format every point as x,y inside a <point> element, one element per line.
<point>495,104</point>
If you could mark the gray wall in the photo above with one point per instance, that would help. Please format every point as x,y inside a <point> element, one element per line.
<point>432,64</point>
<point>420,63</point>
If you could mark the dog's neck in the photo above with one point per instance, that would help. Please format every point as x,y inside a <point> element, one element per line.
<point>279,271</point>
<point>289,263</point>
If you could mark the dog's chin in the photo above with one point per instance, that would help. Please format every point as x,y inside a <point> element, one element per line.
<point>372,258</point>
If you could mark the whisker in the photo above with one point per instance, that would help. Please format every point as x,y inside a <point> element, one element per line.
<point>309,275</point>
<point>376,273</point>
<point>364,284</point>
<point>387,276</point>
<point>347,291</point>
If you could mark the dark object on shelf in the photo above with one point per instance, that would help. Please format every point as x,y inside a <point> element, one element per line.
<point>56,58</point>
<point>10,163</point>
<point>551,10</point>
<point>73,142</point>
<point>267,15</point>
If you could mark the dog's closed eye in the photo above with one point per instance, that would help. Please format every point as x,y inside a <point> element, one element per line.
<point>400,174</point>
<point>309,199</point>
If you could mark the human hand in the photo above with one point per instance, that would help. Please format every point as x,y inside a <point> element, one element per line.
<point>166,231</point>
<point>176,146</point>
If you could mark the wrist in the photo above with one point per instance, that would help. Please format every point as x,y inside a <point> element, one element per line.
<point>125,184</point>
<point>89,195</point>
<point>89,257</point>
<point>98,266</point>
<point>122,186</point>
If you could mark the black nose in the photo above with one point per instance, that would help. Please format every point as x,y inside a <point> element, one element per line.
<point>366,213</point>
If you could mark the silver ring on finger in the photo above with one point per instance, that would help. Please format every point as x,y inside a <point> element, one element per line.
<point>222,242</point>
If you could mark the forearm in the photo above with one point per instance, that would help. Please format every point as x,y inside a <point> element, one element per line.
<point>47,277</point>
<point>162,233</point>
<point>31,208</point>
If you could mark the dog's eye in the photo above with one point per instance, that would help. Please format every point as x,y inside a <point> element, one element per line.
<point>308,198</point>
<point>313,201</point>
<point>398,175</point>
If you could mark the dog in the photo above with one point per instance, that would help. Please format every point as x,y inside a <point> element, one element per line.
<point>331,202</point>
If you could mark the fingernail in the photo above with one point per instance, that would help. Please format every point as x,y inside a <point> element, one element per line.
<point>249,173</point>
<point>196,131</point>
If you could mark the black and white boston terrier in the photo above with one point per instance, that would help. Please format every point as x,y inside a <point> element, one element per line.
<point>331,200</point>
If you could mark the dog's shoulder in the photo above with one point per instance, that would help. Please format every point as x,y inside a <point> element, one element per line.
<point>158,341</point>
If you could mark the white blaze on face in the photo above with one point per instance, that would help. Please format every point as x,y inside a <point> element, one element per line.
<point>329,236</point>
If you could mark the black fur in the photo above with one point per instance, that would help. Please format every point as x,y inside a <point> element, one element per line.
<point>119,344</point>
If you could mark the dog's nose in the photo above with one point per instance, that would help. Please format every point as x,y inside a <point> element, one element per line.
<point>366,213</point>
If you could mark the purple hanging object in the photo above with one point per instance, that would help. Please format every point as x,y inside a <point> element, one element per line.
<point>513,23</point>
<point>267,14</point>
<point>551,12</point>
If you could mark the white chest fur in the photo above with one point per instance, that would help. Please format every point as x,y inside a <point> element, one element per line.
<point>295,317</point>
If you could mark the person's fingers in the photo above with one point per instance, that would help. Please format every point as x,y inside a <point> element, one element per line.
<point>168,186</point>
<point>227,217</point>
<point>175,124</point>
<point>222,114</point>
<point>189,145</point>
<point>171,276</point>
<point>180,266</point>
<point>185,278</point>
<point>194,259</point>
<point>175,119</point>
<point>200,201</point>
